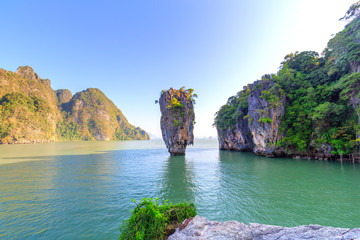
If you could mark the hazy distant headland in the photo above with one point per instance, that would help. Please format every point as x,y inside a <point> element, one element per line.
<point>32,112</point>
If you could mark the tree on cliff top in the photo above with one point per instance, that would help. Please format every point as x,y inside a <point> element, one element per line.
<point>352,12</point>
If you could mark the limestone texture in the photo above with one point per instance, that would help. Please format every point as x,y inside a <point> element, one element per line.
<point>237,139</point>
<point>201,228</point>
<point>177,120</point>
<point>63,95</point>
<point>257,130</point>
<point>309,108</point>
<point>266,117</point>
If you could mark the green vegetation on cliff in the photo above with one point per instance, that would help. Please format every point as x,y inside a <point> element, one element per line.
<point>174,104</point>
<point>322,96</point>
<point>31,111</point>
<point>24,118</point>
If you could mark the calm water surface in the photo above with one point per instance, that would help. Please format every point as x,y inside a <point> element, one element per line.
<point>82,190</point>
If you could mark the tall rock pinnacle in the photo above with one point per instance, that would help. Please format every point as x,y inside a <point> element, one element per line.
<point>177,119</point>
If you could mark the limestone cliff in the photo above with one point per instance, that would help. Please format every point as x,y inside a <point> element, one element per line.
<point>31,112</point>
<point>308,109</point>
<point>28,108</point>
<point>177,119</point>
<point>266,109</point>
<point>257,126</point>
<point>98,118</point>
<point>63,96</point>
<point>238,137</point>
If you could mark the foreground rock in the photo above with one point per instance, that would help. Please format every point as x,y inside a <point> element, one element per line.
<point>201,228</point>
<point>177,119</point>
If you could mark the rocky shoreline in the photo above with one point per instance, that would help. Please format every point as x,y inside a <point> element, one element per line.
<point>201,228</point>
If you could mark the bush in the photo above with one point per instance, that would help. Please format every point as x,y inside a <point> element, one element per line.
<point>149,220</point>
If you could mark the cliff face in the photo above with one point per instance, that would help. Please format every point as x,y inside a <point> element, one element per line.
<point>266,109</point>
<point>177,120</point>
<point>63,96</point>
<point>256,130</point>
<point>31,111</point>
<point>308,109</point>
<point>238,138</point>
<point>98,118</point>
<point>28,107</point>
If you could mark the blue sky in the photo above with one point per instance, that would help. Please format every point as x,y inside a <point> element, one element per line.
<point>133,49</point>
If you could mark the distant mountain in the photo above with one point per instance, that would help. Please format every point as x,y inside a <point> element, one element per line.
<point>31,111</point>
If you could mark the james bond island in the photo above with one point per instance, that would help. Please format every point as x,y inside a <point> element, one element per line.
<point>177,119</point>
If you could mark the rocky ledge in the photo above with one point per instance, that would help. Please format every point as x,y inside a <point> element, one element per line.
<point>201,228</point>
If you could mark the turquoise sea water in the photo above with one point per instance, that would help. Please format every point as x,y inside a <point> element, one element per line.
<point>83,190</point>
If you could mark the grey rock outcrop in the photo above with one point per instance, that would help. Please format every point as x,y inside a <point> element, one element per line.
<point>27,72</point>
<point>201,228</point>
<point>63,95</point>
<point>177,120</point>
<point>257,130</point>
<point>266,108</point>
<point>239,138</point>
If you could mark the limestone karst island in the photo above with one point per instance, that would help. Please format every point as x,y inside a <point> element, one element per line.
<point>309,109</point>
<point>269,150</point>
<point>177,119</point>
<point>32,112</point>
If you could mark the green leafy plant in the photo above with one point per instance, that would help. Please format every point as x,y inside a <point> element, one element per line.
<point>176,123</point>
<point>150,220</point>
<point>174,103</point>
<point>265,120</point>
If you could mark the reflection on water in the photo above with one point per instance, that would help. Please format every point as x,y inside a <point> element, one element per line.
<point>31,152</point>
<point>87,195</point>
<point>176,181</point>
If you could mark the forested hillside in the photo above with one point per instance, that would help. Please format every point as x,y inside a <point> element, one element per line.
<point>310,107</point>
<point>31,111</point>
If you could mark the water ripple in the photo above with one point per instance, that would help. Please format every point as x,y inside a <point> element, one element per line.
<point>87,196</point>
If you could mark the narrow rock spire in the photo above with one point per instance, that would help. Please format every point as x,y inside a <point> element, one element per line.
<point>177,119</point>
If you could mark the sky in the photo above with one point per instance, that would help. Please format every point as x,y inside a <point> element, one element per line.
<point>133,49</point>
